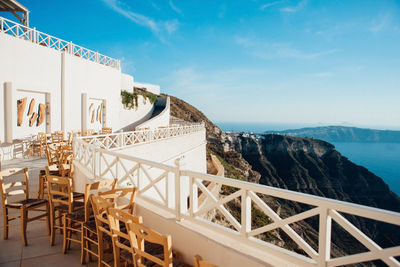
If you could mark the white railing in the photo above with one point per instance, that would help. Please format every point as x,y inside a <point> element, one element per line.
<point>169,186</point>
<point>32,35</point>
<point>126,139</point>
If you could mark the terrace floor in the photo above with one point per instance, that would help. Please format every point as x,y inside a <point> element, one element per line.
<point>38,252</point>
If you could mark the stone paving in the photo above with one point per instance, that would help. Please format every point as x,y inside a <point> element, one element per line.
<point>38,252</point>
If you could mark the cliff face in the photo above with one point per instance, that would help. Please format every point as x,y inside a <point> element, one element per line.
<point>344,134</point>
<point>313,167</point>
<point>304,165</point>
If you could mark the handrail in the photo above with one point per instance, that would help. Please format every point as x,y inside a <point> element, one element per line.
<point>31,34</point>
<point>126,139</point>
<point>154,184</point>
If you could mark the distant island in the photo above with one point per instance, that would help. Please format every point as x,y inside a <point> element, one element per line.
<point>343,134</point>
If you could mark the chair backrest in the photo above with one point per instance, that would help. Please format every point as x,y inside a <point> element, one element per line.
<point>198,262</point>
<point>106,130</point>
<point>139,232</point>
<point>42,137</point>
<point>57,137</point>
<point>117,194</point>
<point>51,154</point>
<point>60,192</point>
<point>94,188</point>
<point>13,185</point>
<point>119,220</point>
<point>100,206</point>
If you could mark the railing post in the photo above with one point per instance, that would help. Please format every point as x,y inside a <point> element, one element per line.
<point>33,33</point>
<point>94,162</point>
<point>97,57</point>
<point>70,48</point>
<point>120,139</point>
<point>324,242</point>
<point>117,168</point>
<point>245,213</point>
<point>193,196</point>
<point>177,190</point>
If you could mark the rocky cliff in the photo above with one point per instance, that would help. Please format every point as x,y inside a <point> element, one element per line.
<point>344,134</point>
<point>304,165</point>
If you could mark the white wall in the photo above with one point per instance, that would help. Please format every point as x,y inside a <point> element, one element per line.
<point>129,118</point>
<point>152,88</point>
<point>190,147</point>
<point>24,129</point>
<point>29,67</point>
<point>161,119</point>
<point>99,82</point>
<point>126,82</point>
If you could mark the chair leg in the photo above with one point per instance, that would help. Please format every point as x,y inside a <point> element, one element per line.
<point>40,191</point>
<point>60,221</point>
<point>69,234</point>
<point>116,252</point>
<point>100,251</point>
<point>84,255</point>
<point>82,246</point>
<point>48,218</point>
<point>52,227</point>
<point>5,223</point>
<point>64,218</point>
<point>24,218</point>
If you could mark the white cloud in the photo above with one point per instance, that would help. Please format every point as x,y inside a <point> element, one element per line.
<point>135,17</point>
<point>157,27</point>
<point>381,23</point>
<point>171,25</point>
<point>267,5</point>
<point>174,8</point>
<point>293,9</point>
<point>267,50</point>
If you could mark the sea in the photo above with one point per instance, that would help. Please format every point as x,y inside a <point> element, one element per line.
<point>382,159</point>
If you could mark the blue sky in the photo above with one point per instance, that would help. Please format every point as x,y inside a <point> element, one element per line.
<point>279,61</point>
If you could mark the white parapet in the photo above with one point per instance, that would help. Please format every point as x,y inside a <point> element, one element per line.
<point>152,88</point>
<point>127,82</point>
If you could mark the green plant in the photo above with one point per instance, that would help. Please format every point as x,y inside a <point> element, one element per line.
<point>130,100</point>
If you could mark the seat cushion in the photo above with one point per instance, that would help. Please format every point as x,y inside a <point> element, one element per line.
<point>91,225</point>
<point>30,202</point>
<point>78,195</point>
<point>43,172</point>
<point>126,256</point>
<point>77,205</point>
<point>78,215</point>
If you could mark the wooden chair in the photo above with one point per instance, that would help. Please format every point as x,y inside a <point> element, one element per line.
<point>38,146</point>
<point>54,167</point>
<point>100,204</point>
<point>42,191</point>
<point>57,137</point>
<point>104,234</point>
<point>89,227</point>
<point>65,166</point>
<point>15,195</point>
<point>117,195</point>
<point>198,262</point>
<point>151,248</point>
<point>51,154</point>
<point>61,199</point>
<point>106,130</point>
<point>122,247</point>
